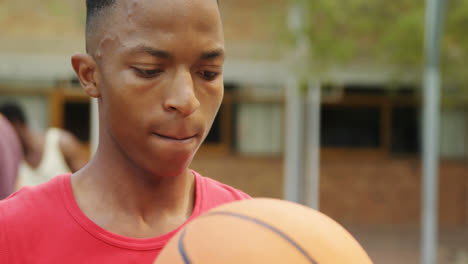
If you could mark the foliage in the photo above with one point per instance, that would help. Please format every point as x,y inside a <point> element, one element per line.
<point>379,32</point>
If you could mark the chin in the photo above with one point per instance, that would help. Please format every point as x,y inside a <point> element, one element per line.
<point>171,168</point>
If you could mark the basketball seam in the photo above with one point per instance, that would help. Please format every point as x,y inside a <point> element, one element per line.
<point>182,248</point>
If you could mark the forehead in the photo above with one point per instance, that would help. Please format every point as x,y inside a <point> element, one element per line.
<point>163,24</point>
<point>165,16</point>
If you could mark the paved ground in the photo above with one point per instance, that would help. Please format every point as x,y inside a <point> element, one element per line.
<point>391,245</point>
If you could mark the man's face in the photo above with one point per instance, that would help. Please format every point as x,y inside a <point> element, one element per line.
<point>159,73</point>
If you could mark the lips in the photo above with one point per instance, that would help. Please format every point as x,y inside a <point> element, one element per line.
<point>175,137</point>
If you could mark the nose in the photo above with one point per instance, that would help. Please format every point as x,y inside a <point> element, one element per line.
<point>180,96</point>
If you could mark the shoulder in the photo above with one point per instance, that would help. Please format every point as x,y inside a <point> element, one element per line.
<point>30,204</point>
<point>216,193</point>
<point>25,218</point>
<point>29,199</point>
<point>65,138</point>
<point>17,206</point>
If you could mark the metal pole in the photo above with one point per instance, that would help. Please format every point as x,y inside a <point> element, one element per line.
<point>293,146</point>
<point>431,119</point>
<point>312,164</point>
<point>293,159</point>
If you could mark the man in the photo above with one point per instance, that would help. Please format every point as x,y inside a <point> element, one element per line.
<point>155,67</point>
<point>10,157</point>
<point>45,154</point>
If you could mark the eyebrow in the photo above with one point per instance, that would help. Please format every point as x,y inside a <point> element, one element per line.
<point>213,54</point>
<point>207,55</point>
<point>152,51</point>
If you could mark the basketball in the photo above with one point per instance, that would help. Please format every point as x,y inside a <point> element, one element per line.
<point>263,231</point>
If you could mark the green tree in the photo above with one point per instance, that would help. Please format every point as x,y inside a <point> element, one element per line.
<point>379,32</point>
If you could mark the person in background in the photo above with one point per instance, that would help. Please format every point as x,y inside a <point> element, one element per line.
<point>10,157</point>
<point>46,154</point>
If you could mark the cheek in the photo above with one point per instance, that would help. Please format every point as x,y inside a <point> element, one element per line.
<point>213,91</point>
<point>119,104</point>
<point>211,95</point>
<point>210,101</point>
<point>121,89</point>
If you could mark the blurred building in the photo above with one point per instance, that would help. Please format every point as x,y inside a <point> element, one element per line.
<point>370,129</point>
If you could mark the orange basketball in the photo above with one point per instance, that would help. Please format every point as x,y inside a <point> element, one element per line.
<point>263,231</point>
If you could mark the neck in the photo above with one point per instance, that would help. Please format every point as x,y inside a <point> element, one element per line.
<point>130,194</point>
<point>133,189</point>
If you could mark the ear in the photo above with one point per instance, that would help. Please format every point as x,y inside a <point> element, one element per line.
<point>86,69</point>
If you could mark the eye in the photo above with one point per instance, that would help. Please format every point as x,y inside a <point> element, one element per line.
<point>208,75</point>
<point>147,73</point>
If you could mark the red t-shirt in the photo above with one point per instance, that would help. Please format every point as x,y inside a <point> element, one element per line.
<point>44,224</point>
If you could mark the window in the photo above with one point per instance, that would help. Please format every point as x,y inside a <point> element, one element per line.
<point>405,130</point>
<point>345,126</point>
<point>373,117</point>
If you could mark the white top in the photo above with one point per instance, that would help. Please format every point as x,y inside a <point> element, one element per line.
<point>52,163</point>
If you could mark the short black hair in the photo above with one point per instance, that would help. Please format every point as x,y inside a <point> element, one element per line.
<point>93,7</point>
<point>13,112</point>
